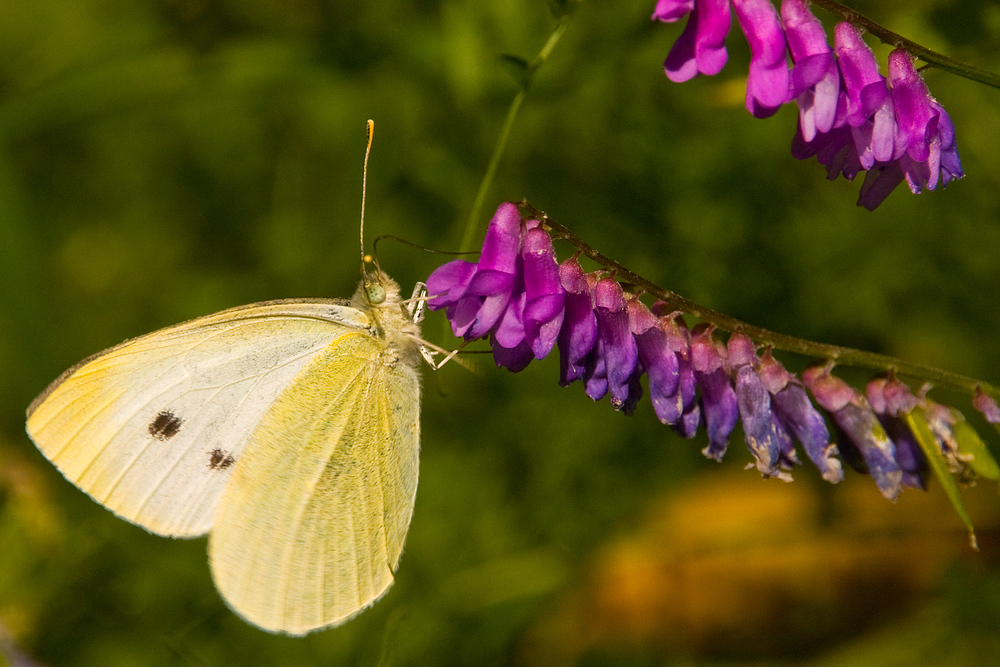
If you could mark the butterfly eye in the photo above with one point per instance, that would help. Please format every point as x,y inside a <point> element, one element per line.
<point>376,293</point>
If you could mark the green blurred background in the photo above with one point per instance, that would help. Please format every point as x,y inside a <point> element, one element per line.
<point>165,159</point>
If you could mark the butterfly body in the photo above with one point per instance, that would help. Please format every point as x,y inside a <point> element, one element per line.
<point>286,430</point>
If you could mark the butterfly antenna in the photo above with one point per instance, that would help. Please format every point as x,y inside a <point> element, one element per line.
<point>364,186</point>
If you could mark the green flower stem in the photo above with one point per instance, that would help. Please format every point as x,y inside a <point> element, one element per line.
<point>932,58</point>
<point>472,224</point>
<point>842,355</point>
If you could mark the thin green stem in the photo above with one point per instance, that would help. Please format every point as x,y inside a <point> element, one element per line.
<point>472,224</point>
<point>932,58</point>
<point>843,355</point>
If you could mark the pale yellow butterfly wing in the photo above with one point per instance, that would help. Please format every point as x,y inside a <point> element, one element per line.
<point>152,428</point>
<point>311,527</point>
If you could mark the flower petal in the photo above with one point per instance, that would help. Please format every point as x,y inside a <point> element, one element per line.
<point>987,406</point>
<point>762,439</point>
<point>768,82</point>
<point>545,300</point>
<point>448,282</point>
<point>862,429</point>
<point>718,403</point>
<point>578,335</point>
<point>662,368</point>
<point>669,11</point>
<point>619,347</point>
<point>796,412</point>
<point>701,48</point>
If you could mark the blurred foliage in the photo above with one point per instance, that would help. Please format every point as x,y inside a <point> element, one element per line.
<point>163,160</point>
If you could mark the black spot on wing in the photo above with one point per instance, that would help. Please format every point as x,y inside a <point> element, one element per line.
<point>220,459</point>
<point>165,426</point>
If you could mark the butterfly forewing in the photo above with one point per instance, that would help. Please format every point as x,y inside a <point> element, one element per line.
<point>152,428</point>
<point>311,527</point>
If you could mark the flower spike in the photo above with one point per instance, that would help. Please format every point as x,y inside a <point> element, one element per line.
<point>526,304</point>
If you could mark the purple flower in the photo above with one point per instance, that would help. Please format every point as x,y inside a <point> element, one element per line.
<point>701,48</point>
<point>869,105</point>
<point>861,428</point>
<point>925,137</point>
<point>890,399</point>
<point>898,134</point>
<point>679,340</point>
<point>768,82</point>
<point>477,300</point>
<point>545,298</point>
<point>609,339</point>
<point>448,283</point>
<point>987,406</point>
<point>718,399</point>
<point>766,438</point>
<point>578,335</point>
<point>659,362</point>
<point>815,79</point>
<point>835,149</point>
<point>942,421</point>
<point>617,352</point>
<point>796,413</point>
<point>865,124</point>
<point>670,11</point>
<point>850,117</point>
<point>510,347</point>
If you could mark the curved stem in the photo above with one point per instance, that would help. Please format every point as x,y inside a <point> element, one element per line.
<point>844,355</point>
<point>933,58</point>
<point>472,223</point>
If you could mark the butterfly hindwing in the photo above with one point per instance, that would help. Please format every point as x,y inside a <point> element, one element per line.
<point>311,527</point>
<point>153,428</point>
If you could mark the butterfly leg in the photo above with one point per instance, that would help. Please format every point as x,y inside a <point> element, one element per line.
<point>416,305</point>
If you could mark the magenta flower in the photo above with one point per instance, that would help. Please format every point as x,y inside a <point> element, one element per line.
<point>476,295</point>
<point>578,335</point>
<point>850,117</point>
<point>701,48</point>
<point>869,110</point>
<point>544,296</point>
<point>925,137</point>
<point>768,81</point>
<point>815,78</point>
<point>617,352</point>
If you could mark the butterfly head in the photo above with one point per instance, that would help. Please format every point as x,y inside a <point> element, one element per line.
<point>378,296</point>
<point>376,291</point>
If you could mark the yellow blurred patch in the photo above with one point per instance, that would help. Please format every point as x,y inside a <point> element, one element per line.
<point>735,565</point>
<point>729,93</point>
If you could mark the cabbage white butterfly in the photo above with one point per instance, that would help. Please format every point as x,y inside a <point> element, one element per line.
<point>288,431</point>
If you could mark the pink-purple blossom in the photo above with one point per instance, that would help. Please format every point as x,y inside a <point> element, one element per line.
<point>768,80</point>
<point>851,117</point>
<point>815,79</point>
<point>987,406</point>
<point>614,344</point>
<point>701,48</point>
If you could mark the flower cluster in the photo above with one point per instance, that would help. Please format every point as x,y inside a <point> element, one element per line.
<point>527,304</point>
<point>851,117</point>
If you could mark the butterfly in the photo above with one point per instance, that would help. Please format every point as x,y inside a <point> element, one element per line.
<point>288,431</point>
